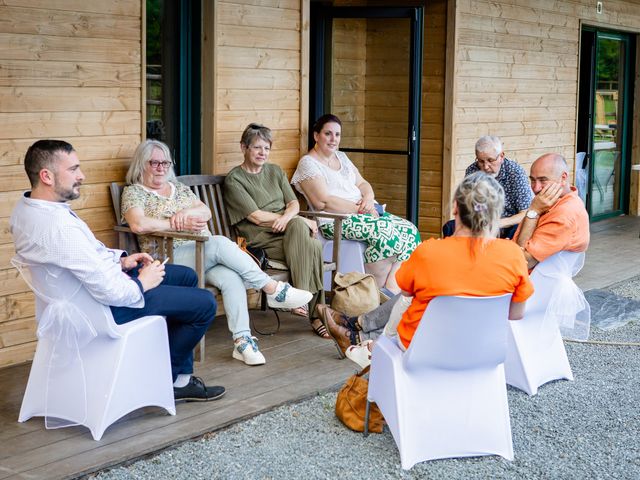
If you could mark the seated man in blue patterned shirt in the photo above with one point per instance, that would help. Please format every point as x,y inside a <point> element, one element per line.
<point>490,159</point>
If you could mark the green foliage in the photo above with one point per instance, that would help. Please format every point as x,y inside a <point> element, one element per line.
<point>154,36</point>
<point>609,56</point>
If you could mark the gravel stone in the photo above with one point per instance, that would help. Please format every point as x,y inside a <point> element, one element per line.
<point>589,428</point>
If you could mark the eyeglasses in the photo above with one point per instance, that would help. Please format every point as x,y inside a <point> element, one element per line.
<point>489,161</point>
<point>165,164</point>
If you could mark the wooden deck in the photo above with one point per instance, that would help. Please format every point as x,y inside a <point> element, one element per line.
<point>299,364</point>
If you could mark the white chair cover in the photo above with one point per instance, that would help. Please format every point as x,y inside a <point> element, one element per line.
<point>567,307</point>
<point>582,176</point>
<point>535,350</point>
<point>67,329</point>
<point>446,395</point>
<point>83,359</point>
<point>351,257</point>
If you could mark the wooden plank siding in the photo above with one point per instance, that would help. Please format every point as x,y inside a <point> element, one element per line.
<point>516,76</point>
<point>348,82</point>
<point>70,69</point>
<point>257,78</point>
<point>387,109</point>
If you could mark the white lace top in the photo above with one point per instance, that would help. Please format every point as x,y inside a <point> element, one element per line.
<point>340,183</point>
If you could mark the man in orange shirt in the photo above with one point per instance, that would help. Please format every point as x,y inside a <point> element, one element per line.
<point>556,219</point>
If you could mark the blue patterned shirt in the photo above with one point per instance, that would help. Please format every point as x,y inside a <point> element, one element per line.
<point>514,180</point>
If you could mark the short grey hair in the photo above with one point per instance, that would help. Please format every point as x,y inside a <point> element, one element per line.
<point>142,155</point>
<point>489,144</point>
<point>253,131</point>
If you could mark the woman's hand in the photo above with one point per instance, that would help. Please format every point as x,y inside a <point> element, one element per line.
<point>280,224</point>
<point>366,206</point>
<point>313,225</point>
<point>185,220</point>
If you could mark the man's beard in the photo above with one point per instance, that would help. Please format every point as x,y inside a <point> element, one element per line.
<point>66,195</point>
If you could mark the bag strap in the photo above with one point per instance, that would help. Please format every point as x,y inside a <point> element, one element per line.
<point>242,244</point>
<point>364,370</point>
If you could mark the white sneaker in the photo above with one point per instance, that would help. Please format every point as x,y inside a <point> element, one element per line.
<point>360,353</point>
<point>246,349</point>
<point>287,297</point>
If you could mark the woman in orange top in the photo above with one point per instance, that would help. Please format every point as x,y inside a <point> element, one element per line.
<point>472,262</point>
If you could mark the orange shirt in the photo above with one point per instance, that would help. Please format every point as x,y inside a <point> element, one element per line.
<point>565,227</point>
<point>447,267</point>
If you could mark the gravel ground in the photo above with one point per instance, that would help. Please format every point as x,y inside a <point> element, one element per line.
<point>587,429</point>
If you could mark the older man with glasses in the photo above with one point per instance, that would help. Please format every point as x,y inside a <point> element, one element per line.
<point>490,159</point>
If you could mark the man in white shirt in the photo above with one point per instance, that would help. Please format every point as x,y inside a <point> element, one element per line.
<point>46,231</point>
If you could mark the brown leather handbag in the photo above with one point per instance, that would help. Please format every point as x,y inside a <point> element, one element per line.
<point>351,404</point>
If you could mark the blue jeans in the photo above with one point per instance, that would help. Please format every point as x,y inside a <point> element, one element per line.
<point>230,270</point>
<point>189,311</point>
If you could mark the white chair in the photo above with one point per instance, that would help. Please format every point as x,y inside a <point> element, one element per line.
<point>582,176</point>
<point>535,350</point>
<point>446,395</point>
<point>351,257</point>
<point>87,370</point>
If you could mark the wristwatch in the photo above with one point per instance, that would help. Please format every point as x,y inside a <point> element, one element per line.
<point>532,214</point>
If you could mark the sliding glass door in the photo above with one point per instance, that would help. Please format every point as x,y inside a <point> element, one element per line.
<point>605,119</point>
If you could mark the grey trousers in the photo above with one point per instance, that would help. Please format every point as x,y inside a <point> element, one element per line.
<point>373,322</point>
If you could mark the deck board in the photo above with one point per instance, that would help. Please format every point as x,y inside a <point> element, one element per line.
<point>299,364</point>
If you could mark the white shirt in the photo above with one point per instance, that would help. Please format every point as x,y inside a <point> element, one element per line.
<point>50,233</point>
<point>340,183</point>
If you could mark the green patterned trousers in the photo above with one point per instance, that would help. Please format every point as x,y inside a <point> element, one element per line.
<point>385,236</point>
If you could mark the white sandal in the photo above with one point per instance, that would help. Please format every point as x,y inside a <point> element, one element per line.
<point>361,353</point>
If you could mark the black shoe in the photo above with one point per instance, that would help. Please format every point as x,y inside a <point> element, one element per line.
<point>197,391</point>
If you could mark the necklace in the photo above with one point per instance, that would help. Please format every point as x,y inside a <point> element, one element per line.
<point>322,159</point>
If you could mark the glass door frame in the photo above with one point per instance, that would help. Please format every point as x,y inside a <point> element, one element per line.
<point>622,201</point>
<point>180,24</point>
<point>321,26</point>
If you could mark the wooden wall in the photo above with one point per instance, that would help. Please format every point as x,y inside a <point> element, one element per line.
<point>256,78</point>
<point>433,115</point>
<point>348,81</point>
<point>69,70</point>
<point>387,110</point>
<point>516,74</point>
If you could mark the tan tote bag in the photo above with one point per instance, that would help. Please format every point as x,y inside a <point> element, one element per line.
<point>356,293</point>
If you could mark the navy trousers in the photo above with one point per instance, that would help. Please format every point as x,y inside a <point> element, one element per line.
<point>189,311</point>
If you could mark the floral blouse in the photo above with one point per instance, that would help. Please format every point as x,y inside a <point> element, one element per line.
<point>157,206</point>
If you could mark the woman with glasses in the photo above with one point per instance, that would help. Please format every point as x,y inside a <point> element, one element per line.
<point>155,201</point>
<point>264,209</point>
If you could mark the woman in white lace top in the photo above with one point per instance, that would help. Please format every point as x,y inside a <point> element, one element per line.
<point>331,182</point>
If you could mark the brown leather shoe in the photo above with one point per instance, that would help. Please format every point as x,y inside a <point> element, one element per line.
<point>332,321</point>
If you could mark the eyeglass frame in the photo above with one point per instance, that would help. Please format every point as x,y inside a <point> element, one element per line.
<point>490,161</point>
<point>166,164</point>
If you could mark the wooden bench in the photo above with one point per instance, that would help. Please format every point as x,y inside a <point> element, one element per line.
<point>208,189</point>
<point>127,240</point>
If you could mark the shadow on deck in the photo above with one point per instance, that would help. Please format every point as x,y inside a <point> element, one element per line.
<point>299,364</point>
